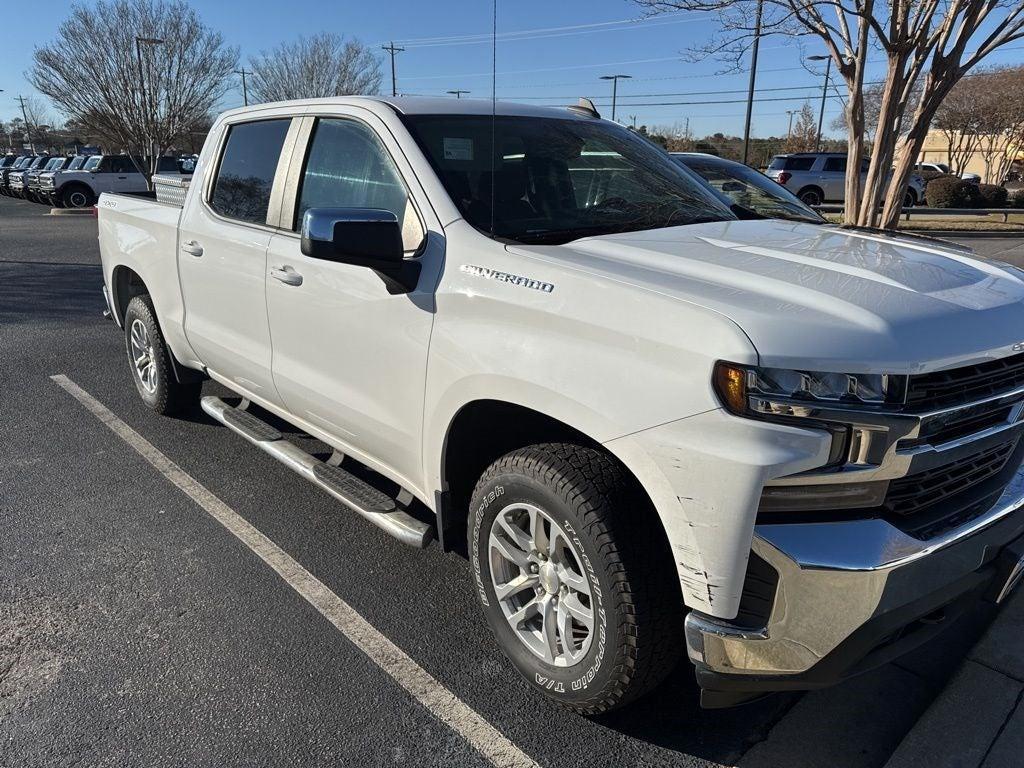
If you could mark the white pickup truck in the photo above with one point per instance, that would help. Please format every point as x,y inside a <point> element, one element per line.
<point>787,449</point>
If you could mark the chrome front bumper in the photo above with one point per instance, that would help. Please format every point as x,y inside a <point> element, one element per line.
<point>835,579</point>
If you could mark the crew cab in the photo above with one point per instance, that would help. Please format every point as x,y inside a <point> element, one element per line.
<point>788,450</point>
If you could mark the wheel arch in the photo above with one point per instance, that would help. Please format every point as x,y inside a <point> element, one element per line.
<point>126,284</point>
<point>482,431</point>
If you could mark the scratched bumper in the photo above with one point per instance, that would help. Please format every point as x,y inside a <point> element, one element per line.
<point>852,595</point>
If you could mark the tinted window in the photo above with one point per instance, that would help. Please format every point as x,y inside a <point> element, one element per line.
<point>348,167</point>
<point>118,164</point>
<point>835,164</point>
<point>246,172</point>
<point>781,163</point>
<point>551,180</point>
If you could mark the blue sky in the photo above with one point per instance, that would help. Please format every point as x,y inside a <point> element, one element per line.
<point>566,46</point>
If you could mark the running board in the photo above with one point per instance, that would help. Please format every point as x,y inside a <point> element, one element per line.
<point>373,504</point>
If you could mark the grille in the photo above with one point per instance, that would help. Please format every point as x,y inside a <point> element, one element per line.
<point>962,385</point>
<point>910,495</point>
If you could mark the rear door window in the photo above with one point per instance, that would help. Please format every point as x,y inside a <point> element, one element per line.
<point>791,163</point>
<point>246,171</point>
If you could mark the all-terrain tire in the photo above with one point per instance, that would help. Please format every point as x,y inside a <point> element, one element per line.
<point>158,387</point>
<point>636,598</point>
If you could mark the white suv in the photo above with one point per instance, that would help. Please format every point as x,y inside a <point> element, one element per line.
<point>820,177</point>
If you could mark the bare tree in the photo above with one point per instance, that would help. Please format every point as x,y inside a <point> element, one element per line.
<point>140,73</point>
<point>322,65</point>
<point>928,45</point>
<point>957,119</point>
<point>1000,120</point>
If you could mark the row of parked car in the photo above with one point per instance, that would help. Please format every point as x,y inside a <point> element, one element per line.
<point>76,181</point>
<point>820,177</point>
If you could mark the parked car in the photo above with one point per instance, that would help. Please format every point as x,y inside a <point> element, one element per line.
<point>49,180</point>
<point>930,170</point>
<point>21,162</point>
<point>751,190</point>
<point>790,450</point>
<point>820,177</point>
<point>16,178</point>
<point>98,174</point>
<point>31,191</point>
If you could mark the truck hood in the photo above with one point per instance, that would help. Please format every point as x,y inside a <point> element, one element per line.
<point>820,297</point>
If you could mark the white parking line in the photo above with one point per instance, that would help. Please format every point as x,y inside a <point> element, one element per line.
<point>437,699</point>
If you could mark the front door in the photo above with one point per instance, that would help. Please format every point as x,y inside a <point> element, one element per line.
<point>349,357</point>
<point>222,252</point>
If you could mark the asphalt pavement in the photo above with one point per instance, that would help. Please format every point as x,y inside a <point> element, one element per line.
<point>136,630</point>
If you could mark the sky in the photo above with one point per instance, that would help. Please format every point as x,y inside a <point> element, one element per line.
<point>548,52</point>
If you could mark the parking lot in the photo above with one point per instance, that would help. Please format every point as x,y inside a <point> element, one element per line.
<point>136,629</point>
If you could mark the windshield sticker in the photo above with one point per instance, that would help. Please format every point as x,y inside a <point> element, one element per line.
<point>458,149</point>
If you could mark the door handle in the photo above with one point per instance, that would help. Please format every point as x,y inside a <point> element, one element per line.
<point>286,275</point>
<point>191,246</point>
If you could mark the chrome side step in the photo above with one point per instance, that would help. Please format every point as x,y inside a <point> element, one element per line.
<point>376,506</point>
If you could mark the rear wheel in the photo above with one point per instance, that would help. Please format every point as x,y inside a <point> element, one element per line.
<point>576,582</point>
<point>909,199</point>
<point>811,196</point>
<point>76,197</point>
<point>150,361</point>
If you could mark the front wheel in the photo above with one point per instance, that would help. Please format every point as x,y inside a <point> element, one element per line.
<point>150,361</point>
<point>76,197</point>
<point>576,580</point>
<point>909,199</point>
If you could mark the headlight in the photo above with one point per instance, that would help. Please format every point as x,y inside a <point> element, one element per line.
<point>736,385</point>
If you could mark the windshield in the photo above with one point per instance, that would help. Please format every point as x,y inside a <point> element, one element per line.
<point>24,162</point>
<point>39,163</point>
<point>750,189</point>
<point>57,162</point>
<point>555,180</point>
<point>76,163</point>
<point>92,162</point>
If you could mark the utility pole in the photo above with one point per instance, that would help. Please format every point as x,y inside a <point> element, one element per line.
<point>615,87</point>
<point>28,128</point>
<point>457,93</point>
<point>824,94</point>
<point>753,78</point>
<point>245,91</point>
<point>393,50</point>
<point>632,119</point>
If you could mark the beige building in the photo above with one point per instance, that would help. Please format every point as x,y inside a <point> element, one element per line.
<point>936,150</point>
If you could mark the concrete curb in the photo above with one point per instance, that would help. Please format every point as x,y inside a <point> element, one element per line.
<point>976,720</point>
<point>70,212</point>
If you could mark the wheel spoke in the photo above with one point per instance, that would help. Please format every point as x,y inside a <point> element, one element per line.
<point>509,551</point>
<point>572,606</point>
<point>517,618</point>
<point>549,629</point>
<point>565,631</point>
<point>537,530</point>
<point>573,580</point>
<point>518,536</point>
<point>516,585</point>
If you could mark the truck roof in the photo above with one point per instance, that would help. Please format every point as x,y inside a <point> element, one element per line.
<point>429,105</point>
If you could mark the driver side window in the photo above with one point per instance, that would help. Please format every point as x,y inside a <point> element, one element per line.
<point>348,167</point>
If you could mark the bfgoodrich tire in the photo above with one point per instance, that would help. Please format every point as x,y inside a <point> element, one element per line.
<point>150,361</point>
<point>575,576</point>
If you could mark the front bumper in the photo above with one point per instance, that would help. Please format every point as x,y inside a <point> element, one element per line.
<point>851,595</point>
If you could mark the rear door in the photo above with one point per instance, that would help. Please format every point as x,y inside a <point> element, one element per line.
<point>349,357</point>
<point>222,251</point>
<point>833,178</point>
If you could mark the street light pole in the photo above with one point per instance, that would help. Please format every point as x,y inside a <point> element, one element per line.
<point>824,94</point>
<point>615,87</point>
<point>789,131</point>
<point>457,93</point>
<point>753,78</point>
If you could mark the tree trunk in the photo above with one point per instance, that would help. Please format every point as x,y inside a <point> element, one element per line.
<point>890,109</point>
<point>854,152</point>
<point>909,149</point>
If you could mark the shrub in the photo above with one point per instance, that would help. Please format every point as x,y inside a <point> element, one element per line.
<point>950,192</point>
<point>1017,199</point>
<point>992,195</point>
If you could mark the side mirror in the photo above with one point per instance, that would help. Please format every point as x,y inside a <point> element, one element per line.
<point>734,186</point>
<point>363,237</point>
